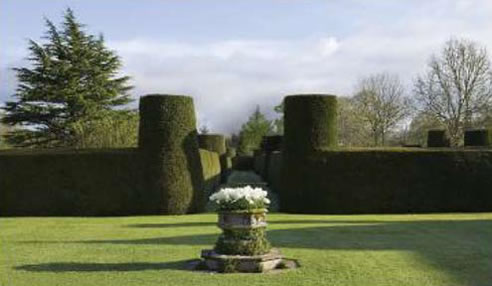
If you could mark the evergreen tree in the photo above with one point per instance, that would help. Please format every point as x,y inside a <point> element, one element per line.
<point>3,129</point>
<point>204,129</point>
<point>253,131</point>
<point>113,130</point>
<point>278,124</point>
<point>73,77</point>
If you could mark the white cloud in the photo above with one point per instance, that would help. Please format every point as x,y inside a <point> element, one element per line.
<point>327,46</point>
<point>228,77</point>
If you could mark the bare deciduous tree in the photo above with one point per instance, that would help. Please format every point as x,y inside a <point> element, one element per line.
<point>381,103</point>
<point>352,130</point>
<point>457,86</point>
<point>421,123</point>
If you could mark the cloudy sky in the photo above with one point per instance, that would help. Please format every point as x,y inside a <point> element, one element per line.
<point>232,55</point>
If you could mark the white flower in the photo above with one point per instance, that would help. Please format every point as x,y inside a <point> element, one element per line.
<point>248,193</point>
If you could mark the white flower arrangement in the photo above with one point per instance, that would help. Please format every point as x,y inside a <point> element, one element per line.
<point>243,198</point>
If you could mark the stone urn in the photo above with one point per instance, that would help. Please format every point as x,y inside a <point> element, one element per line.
<point>243,245</point>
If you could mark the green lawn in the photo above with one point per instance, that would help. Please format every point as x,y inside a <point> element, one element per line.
<point>447,249</point>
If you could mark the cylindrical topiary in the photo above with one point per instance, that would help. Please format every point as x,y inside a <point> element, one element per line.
<point>437,138</point>
<point>243,163</point>
<point>477,138</point>
<point>212,142</point>
<point>217,143</point>
<point>171,159</point>
<point>310,123</point>
<point>257,152</point>
<point>226,167</point>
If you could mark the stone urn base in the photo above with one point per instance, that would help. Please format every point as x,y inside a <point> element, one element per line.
<point>242,263</point>
<point>243,245</point>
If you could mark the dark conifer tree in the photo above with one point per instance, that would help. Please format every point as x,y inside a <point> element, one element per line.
<point>73,78</point>
<point>253,131</point>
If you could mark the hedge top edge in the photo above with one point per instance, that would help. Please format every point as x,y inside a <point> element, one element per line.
<point>309,95</point>
<point>161,96</point>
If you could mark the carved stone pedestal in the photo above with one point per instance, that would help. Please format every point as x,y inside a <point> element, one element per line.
<point>242,263</point>
<point>242,246</point>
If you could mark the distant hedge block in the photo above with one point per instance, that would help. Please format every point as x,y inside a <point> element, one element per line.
<point>379,181</point>
<point>226,166</point>
<point>260,164</point>
<point>213,142</point>
<point>243,163</point>
<point>272,143</point>
<point>269,144</point>
<point>211,170</point>
<point>310,123</point>
<point>437,138</point>
<point>169,147</point>
<point>92,182</point>
<point>217,143</point>
<point>274,176</point>
<point>478,138</point>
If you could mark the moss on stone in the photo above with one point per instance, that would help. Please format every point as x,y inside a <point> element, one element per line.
<point>243,242</point>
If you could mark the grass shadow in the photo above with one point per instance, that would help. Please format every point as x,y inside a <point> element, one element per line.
<point>274,222</point>
<point>59,267</point>
<point>377,235</point>
<point>171,225</point>
<point>461,248</point>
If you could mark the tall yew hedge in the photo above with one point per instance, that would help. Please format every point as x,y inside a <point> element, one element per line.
<point>310,124</point>
<point>169,146</point>
<point>390,181</point>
